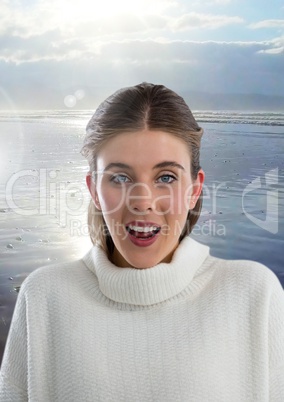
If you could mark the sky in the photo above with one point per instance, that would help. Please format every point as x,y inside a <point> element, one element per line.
<point>67,53</point>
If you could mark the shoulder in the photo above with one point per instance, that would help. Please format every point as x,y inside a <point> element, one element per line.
<point>53,276</point>
<point>244,274</point>
<point>244,286</point>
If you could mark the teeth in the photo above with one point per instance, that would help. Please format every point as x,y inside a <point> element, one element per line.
<point>142,229</point>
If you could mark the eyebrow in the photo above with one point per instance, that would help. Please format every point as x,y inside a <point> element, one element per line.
<point>168,164</point>
<point>158,166</point>
<point>116,165</point>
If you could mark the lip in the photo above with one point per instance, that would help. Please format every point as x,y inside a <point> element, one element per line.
<point>142,224</point>
<point>139,241</point>
<point>143,242</point>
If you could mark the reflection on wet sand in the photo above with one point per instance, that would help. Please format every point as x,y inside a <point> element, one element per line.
<point>43,197</point>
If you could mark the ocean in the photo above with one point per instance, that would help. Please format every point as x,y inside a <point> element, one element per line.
<point>43,196</point>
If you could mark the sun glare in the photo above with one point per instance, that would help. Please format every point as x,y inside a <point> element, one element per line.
<point>72,11</point>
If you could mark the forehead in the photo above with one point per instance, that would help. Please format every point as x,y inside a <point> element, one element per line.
<point>146,147</point>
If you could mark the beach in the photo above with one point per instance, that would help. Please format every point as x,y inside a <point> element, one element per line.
<point>44,198</point>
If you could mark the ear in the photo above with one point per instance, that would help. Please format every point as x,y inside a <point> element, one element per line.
<point>93,191</point>
<point>196,188</point>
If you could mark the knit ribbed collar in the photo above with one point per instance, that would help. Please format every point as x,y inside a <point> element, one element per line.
<point>151,285</point>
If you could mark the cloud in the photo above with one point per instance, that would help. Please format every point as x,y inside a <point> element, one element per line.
<point>104,16</point>
<point>53,45</point>
<point>48,46</point>
<point>190,52</point>
<point>268,24</point>
<point>219,2</point>
<point>126,24</point>
<point>17,20</point>
<point>279,50</point>
<point>71,21</point>
<point>276,47</point>
<point>43,52</point>
<point>43,33</point>
<point>195,20</point>
<point>215,67</point>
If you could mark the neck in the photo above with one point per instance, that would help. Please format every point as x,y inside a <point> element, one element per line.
<point>147,286</point>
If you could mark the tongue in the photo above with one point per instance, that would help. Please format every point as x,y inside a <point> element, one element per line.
<point>142,235</point>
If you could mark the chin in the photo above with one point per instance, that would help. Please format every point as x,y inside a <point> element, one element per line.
<point>141,263</point>
<point>144,265</point>
<point>141,257</point>
<point>137,261</point>
<point>146,260</point>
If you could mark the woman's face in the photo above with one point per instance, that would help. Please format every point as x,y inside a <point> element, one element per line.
<point>144,190</point>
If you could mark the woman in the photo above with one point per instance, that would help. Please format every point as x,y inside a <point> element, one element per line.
<point>148,314</point>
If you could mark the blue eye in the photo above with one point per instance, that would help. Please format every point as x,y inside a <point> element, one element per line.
<point>166,178</point>
<point>119,178</point>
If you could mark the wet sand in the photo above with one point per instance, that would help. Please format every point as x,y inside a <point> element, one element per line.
<point>43,197</point>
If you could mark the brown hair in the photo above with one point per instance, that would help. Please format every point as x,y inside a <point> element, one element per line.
<point>144,106</point>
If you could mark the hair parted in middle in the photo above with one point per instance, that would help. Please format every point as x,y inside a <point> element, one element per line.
<point>132,109</point>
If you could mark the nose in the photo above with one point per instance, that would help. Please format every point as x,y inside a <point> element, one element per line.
<point>140,199</point>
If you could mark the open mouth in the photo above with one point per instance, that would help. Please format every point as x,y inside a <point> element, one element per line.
<point>143,232</point>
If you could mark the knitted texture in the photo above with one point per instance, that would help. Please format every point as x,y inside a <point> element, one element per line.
<point>197,329</point>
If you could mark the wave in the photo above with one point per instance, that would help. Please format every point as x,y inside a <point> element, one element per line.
<point>202,116</point>
<point>233,117</point>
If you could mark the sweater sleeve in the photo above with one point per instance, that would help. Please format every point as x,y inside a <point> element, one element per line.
<point>276,343</point>
<point>13,374</point>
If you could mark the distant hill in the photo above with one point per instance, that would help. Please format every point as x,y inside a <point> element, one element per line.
<point>53,98</point>
<point>244,102</point>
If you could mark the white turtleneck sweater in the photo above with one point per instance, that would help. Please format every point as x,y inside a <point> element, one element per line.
<point>197,329</point>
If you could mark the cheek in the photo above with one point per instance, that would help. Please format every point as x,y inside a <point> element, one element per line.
<point>111,200</point>
<point>177,203</point>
